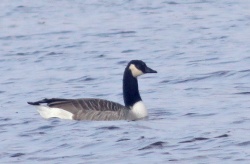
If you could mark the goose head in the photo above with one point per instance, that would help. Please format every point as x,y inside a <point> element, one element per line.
<point>138,67</point>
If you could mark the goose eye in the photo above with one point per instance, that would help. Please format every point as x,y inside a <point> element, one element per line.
<point>139,66</point>
<point>142,67</point>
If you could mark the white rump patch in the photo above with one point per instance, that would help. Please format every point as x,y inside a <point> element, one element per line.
<point>47,112</point>
<point>135,71</point>
<point>138,110</point>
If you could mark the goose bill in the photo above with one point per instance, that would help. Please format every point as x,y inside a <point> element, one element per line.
<point>149,70</point>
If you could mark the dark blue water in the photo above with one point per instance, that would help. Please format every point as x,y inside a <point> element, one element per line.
<point>198,102</point>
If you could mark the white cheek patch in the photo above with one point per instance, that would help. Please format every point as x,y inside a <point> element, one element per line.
<point>135,72</point>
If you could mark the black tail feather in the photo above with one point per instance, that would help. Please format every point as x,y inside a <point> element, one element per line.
<point>33,103</point>
<point>46,101</point>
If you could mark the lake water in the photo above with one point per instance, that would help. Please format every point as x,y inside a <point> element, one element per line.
<point>199,108</point>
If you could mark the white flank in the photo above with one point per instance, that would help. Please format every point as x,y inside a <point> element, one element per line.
<point>135,71</point>
<point>139,110</point>
<point>47,112</point>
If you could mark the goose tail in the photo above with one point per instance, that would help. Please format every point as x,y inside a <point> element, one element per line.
<point>47,101</point>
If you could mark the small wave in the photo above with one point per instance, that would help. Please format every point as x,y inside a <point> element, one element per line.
<point>171,3</point>
<point>17,155</point>
<point>243,93</point>
<point>203,77</point>
<point>128,51</point>
<point>165,81</point>
<point>81,79</point>
<point>52,53</point>
<point>100,56</point>
<point>5,119</point>
<point>203,138</point>
<point>199,115</point>
<point>222,136</point>
<point>45,127</point>
<point>195,139</point>
<point>246,70</point>
<point>122,62</point>
<point>109,34</point>
<point>123,139</point>
<point>109,128</point>
<point>157,145</point>
<point>204,60</point>
<point>28,134</point>
<point>246,143</point>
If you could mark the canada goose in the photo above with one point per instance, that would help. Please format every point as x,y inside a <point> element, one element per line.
<point>99,109</point>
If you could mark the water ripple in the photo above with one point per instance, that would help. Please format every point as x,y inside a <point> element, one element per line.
<point>155,145</point>
<point>205,76</point>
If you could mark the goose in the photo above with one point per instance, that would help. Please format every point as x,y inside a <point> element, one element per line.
<point>99,109</point>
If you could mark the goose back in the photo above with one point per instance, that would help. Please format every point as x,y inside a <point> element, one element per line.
<point>89,108</point>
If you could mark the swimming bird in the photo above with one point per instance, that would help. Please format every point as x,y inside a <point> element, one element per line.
<point>99,109</point>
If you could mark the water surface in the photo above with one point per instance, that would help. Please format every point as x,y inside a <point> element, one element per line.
<point>198,102</point>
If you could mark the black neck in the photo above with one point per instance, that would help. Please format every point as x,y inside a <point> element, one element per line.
<point>131,93</point>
